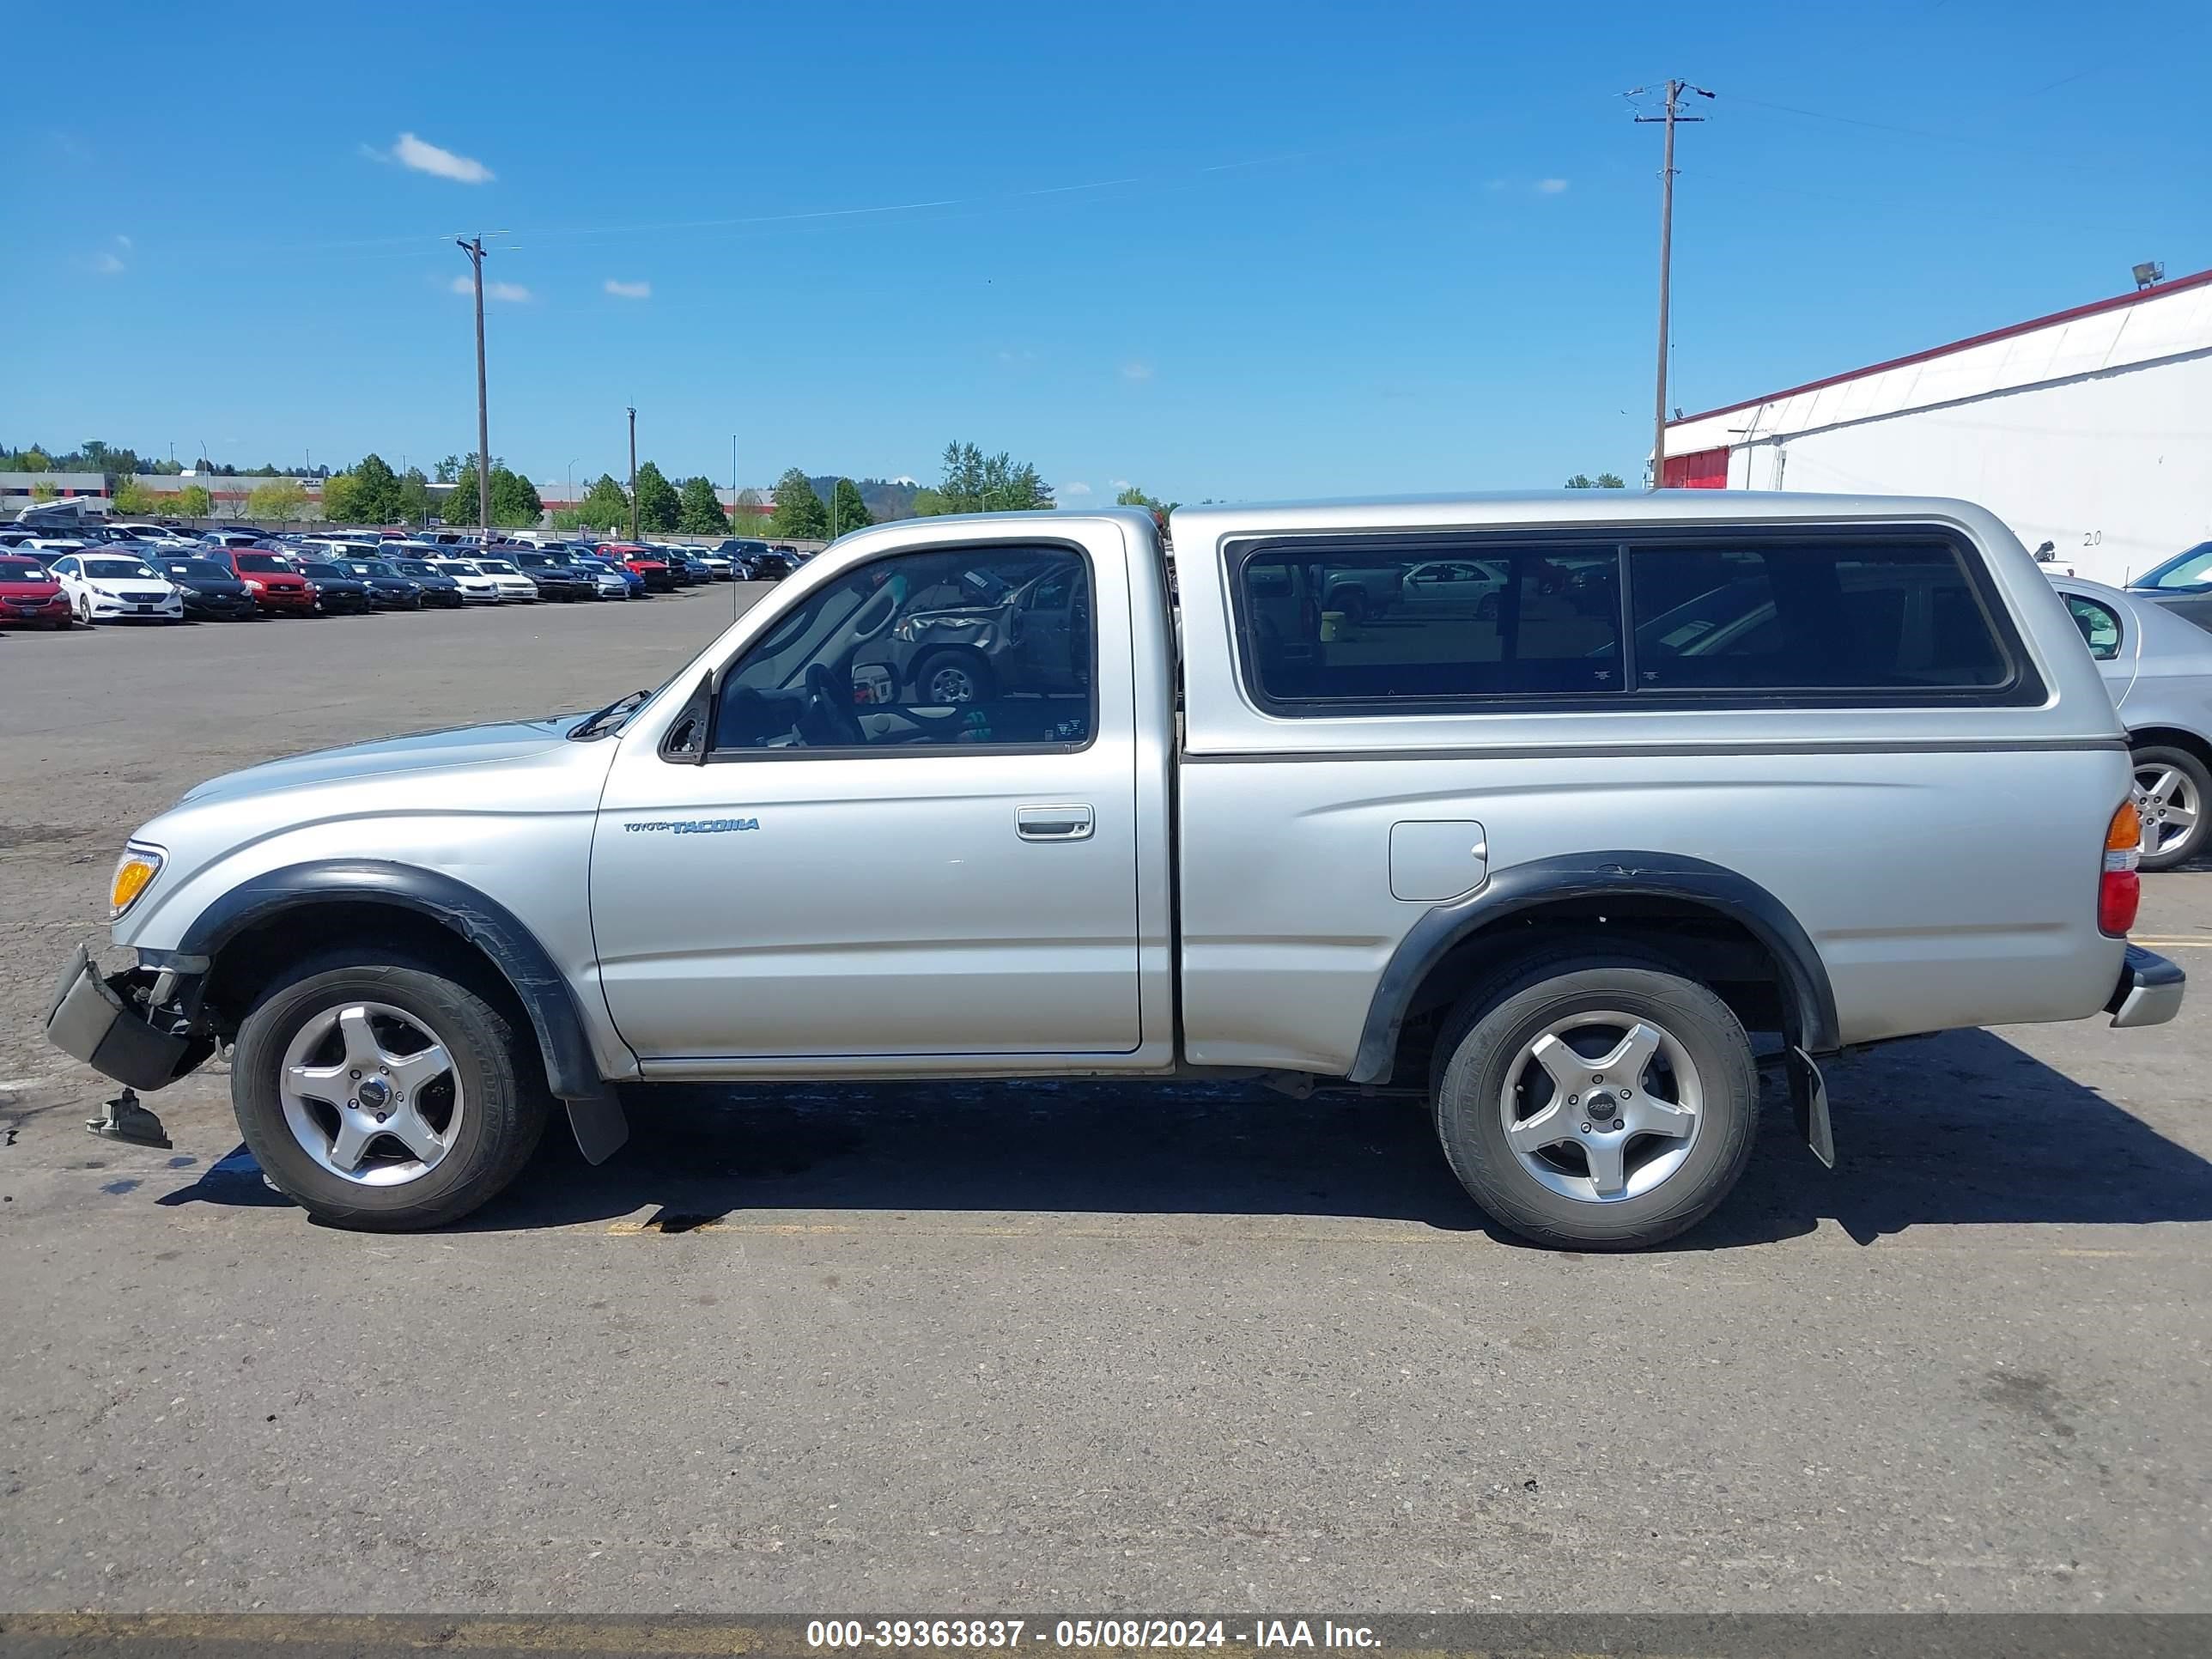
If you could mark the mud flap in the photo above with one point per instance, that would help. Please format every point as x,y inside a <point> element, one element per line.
<point>1808,1094</point>
<point>599,1125</point>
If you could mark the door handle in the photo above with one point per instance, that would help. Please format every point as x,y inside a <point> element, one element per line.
<point>1052,822</point>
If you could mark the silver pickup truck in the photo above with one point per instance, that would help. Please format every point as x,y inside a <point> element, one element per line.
<point>974,797</point>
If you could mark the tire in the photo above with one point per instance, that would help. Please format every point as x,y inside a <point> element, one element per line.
<point>84,611</point>
<point>2170,782</point>
<point>1352,601</point>
<point>1549,1193</point>
<point>484,1112</point>
<point>953,676</point>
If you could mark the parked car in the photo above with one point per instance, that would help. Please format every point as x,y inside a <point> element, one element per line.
<point>30,593</point>
<point>2182,585</point>
<point>2158,670</point>
<point>613,580</point>
<point>48,549</point>
<point>389,589</point>
<point>338,591</point>
<point>691,570</point>
<point>962,639</point>
<point>515,587</point>
<point>477,587</point>
<point>155,534</point>
<point>740,551</point>
<point>651,571</point>
<point>553,576</point>
<point>1574,860</point>
<point>770,566</point>
<point>235,538</point>
<point>439,590</point>
<point>278,589</point>
<point>719,566</point>
<point>115,587</point>
<point>212,592</point>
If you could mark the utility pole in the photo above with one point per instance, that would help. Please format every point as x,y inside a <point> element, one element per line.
<point>633,475</point>
<point>475,249</point>
<point>1673,118</point>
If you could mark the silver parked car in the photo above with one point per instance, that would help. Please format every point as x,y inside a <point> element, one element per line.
<point>1548,848</point>
<point>2158,670</point>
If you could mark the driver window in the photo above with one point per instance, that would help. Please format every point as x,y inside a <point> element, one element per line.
<point>927,649</point>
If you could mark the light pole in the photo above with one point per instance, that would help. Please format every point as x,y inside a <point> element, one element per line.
<point>633,475</point>
<point>1672,117</point>
<point>475,249</point>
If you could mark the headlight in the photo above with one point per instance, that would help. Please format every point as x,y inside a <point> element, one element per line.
<point>253,587</point>
<point>134,873</point>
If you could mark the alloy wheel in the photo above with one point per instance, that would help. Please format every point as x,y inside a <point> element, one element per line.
<point>370,1092</point>
<point>1601,1106</point>
<point>2168,800</point>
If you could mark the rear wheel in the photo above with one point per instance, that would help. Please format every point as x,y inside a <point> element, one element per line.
<point>84,609</point>
<point>2172,789</point>
<point>381,1096</point>
<point>1596,1102</point>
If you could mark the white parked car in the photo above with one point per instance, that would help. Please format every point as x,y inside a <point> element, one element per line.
<point>114,588</point>
<point>515,587</point>
<point>477,588</point>
<point>156,534</point>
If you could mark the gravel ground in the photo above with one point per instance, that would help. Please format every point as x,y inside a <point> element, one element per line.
<point>983,1349</point>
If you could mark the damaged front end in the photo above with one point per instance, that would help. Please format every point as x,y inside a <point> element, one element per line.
<point>141,1027</point>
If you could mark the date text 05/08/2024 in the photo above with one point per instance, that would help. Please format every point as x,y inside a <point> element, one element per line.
<point>1124,1633</point>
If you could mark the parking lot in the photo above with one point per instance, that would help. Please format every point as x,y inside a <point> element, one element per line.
<point>993,1348</point>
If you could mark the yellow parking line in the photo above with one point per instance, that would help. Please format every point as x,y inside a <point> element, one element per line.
<point>2195,941</point>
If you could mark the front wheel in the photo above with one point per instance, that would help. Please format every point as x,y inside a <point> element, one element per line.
<point>381,1096</point>
<point>2172,789</point>
<point>953,676</point>
<point>1596,1102</point>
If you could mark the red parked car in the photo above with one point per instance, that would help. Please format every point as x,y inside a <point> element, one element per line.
<point>651,569</point>
<point>29,594</point>
<point>269,577</point>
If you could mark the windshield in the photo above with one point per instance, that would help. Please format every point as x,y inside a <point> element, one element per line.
<point>2189,569</point>
<point>319,568</point>
<point>21,570</point>
<point>372,567</point>
<point>118,570</point>
<point>199,570</point>
<point>265,561</point>
<point>497,567</point>
<point>457,567</point>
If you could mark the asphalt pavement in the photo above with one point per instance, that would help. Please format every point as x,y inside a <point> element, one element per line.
<point>972,1349</point>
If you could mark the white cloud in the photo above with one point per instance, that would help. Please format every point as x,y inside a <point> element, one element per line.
<point>424,157</point>
<point>513,293</point>
<point>1136,371</point>
<point>122,242</point>
<point>623,290</point>
<point>1551,186</point>
<point>107,264</point>
<point>1072,488</point>
<point>1121,483</point>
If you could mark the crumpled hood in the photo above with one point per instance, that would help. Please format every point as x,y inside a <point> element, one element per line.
<point>460,745</point>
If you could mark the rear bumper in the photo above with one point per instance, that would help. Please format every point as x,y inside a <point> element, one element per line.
<point>2149,989</point>
<point>98,1020</point>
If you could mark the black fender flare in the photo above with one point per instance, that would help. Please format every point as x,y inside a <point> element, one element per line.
<point>1810,1003</point>
<point>594,1112</point>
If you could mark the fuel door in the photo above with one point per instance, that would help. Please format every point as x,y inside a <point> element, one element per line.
<point>1432,860</point>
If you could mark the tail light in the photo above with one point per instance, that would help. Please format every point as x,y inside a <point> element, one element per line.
<point>2119,888</point>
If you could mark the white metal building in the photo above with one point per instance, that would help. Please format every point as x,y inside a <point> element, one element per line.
<point>2090,429</point>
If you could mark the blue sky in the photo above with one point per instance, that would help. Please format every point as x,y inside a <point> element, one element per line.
<point>1233,252</point>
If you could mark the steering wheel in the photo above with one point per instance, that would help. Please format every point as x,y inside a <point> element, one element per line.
<point>828,712</point>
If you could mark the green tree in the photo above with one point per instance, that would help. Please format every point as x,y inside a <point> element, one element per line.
<point>798,513</point>
<point>133,497</point>
<point>849,512</point>
<point>44,492</point>
<point>342,499</point>
<point>448,469</point>
<point>976,483</point>
<point>699,511</point>
<point>282,499</point>
<point>514,501</point>
<point>33,459</point>
<point>379,490</point>
<point>659,506</point>
<point>604,507</point>
<point>193,502</point>
<point>413,497</point>
<point>1603,481</point>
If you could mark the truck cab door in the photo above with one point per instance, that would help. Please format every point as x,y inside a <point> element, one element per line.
<point>826,868</point>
